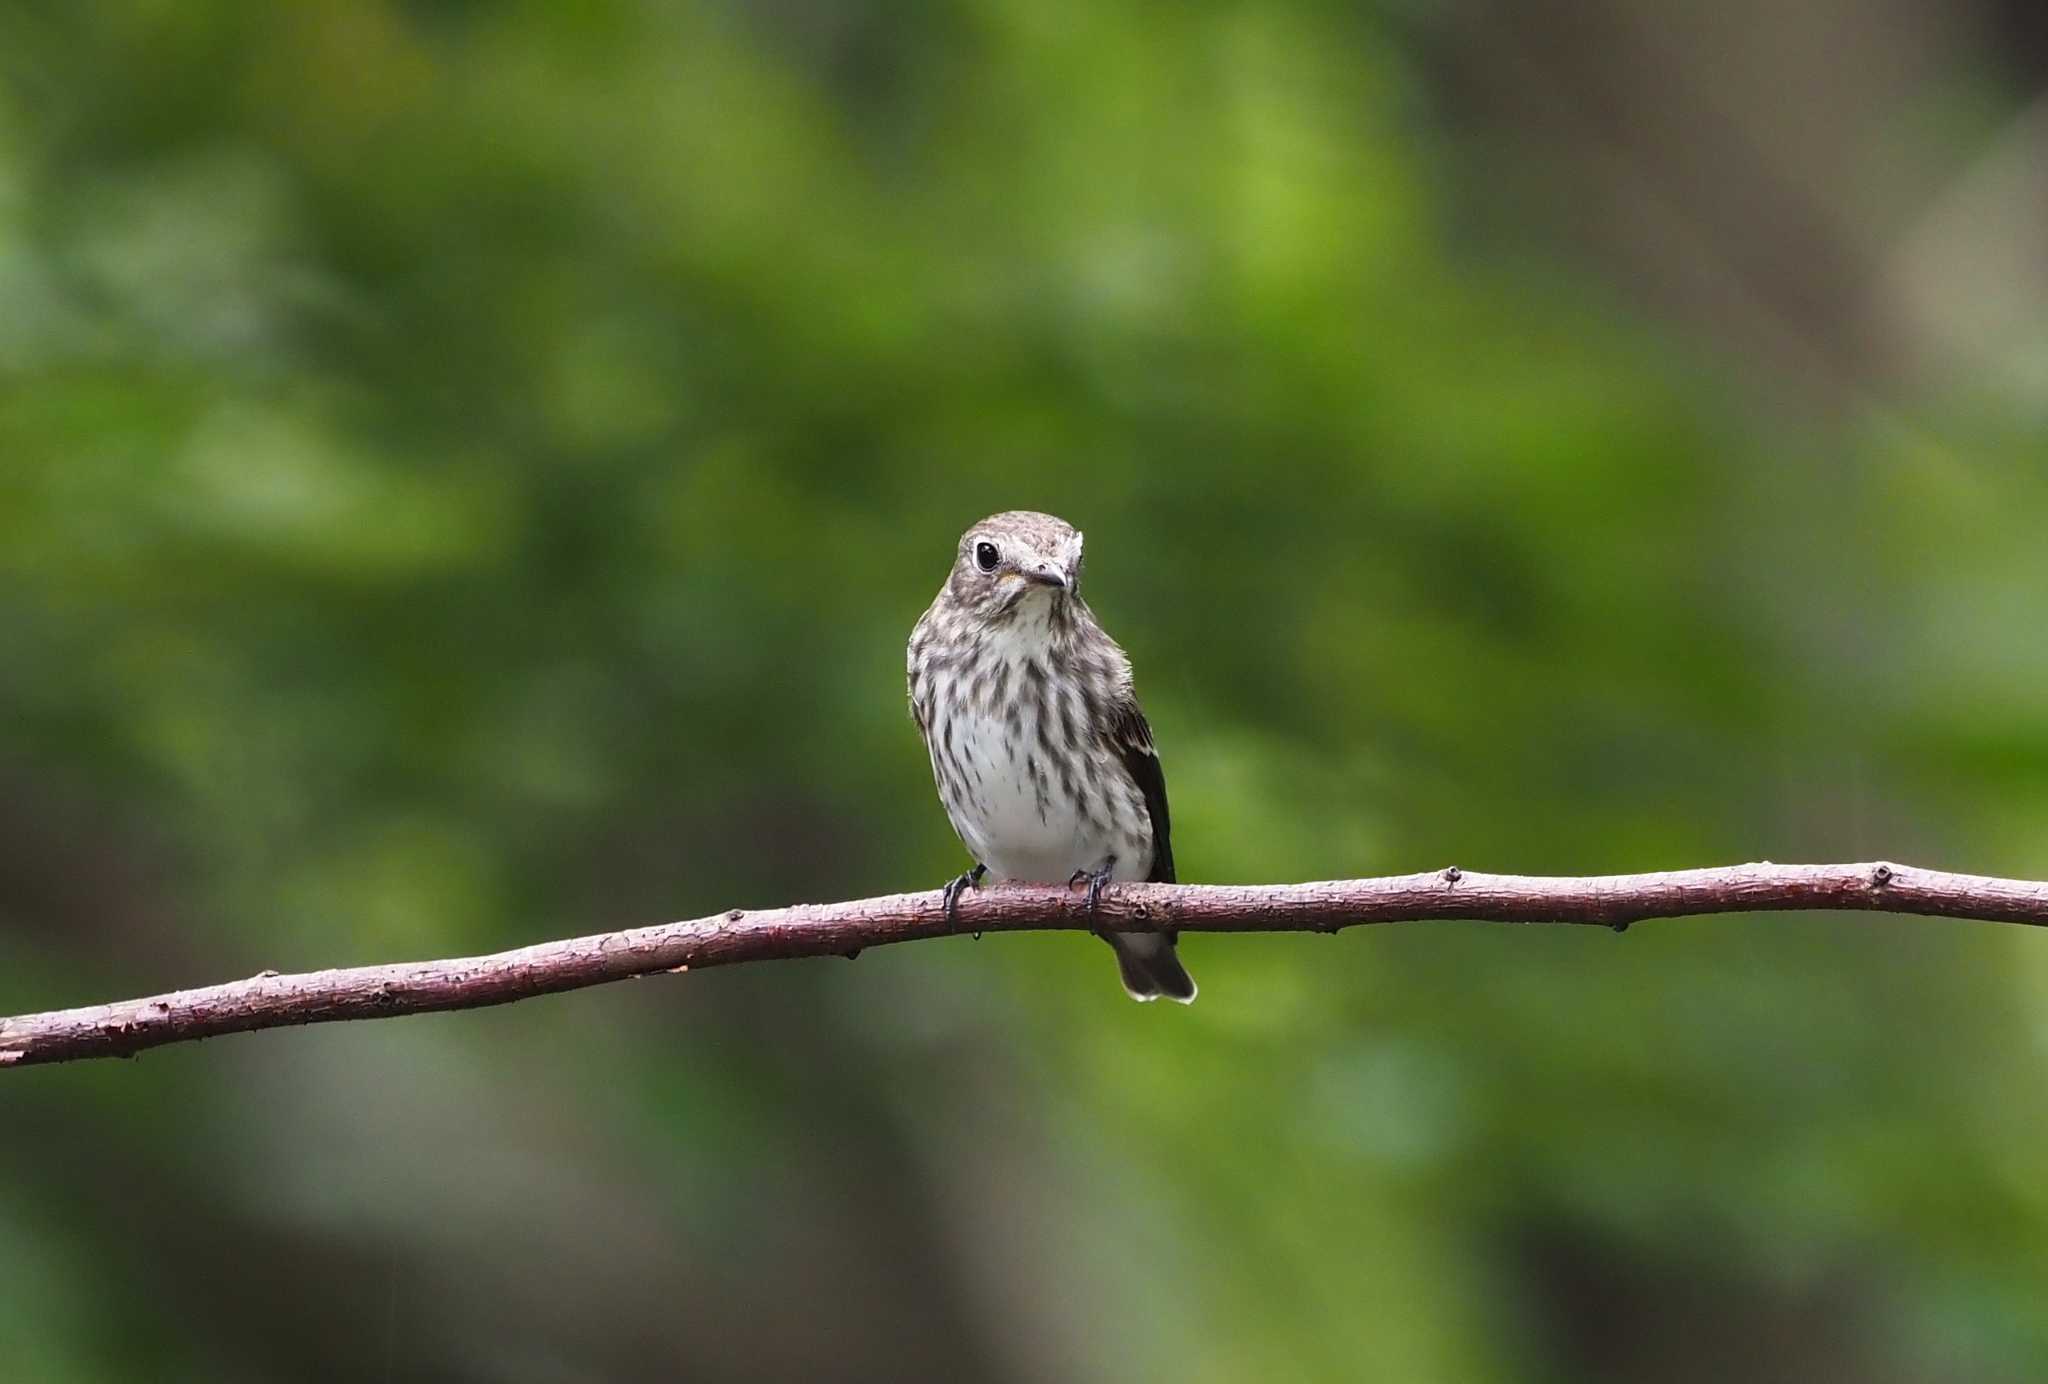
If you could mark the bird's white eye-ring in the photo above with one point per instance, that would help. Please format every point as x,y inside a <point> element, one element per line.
<point>986,557</point>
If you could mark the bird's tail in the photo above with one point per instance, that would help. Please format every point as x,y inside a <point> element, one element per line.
<point>1151,966</point>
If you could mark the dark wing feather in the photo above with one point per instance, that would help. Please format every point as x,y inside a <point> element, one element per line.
<point>1132,738</point>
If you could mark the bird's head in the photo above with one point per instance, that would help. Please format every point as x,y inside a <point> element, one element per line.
<point>1016,557</point>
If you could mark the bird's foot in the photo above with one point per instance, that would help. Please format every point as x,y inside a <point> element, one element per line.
<point>970,880</point>
<point>1096,879</point>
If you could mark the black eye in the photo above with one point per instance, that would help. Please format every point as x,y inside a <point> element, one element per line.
<point>986,557</point>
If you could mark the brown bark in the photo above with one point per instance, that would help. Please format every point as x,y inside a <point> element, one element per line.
<point>375,992</point>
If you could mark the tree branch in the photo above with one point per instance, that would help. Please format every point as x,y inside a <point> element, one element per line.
<point>270,1000</point>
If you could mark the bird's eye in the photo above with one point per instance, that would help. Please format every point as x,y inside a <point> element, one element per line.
<point>986,557</point>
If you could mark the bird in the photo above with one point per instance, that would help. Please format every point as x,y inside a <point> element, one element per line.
<point>1042,758</point>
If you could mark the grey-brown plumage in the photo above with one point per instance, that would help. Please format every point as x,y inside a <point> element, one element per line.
<point>1042,758</point>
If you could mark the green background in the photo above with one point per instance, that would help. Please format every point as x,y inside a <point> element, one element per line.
<point>466,476</point>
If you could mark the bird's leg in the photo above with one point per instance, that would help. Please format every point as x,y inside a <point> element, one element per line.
<point>970,880</point>
<point>1096,879</point>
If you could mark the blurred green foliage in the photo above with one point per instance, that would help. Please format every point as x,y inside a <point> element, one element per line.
<point>467,473</point>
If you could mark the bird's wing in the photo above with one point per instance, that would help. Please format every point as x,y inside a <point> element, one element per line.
<point>916,683</point>
<point>1131,737</point>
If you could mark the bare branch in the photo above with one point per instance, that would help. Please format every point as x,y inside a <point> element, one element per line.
<point>845,929</point>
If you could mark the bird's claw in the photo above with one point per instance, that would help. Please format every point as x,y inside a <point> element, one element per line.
<point>969,880</point>
<point>1096,880</point>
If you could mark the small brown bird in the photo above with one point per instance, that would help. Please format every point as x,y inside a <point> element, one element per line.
<point>1043,760</point>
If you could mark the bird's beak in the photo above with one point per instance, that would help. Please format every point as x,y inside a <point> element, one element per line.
<point>1045,574</point>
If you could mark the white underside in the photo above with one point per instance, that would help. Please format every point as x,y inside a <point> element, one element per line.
<point>1014,830</point>
<point>1010,836</point>
<point>1009,829</point>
